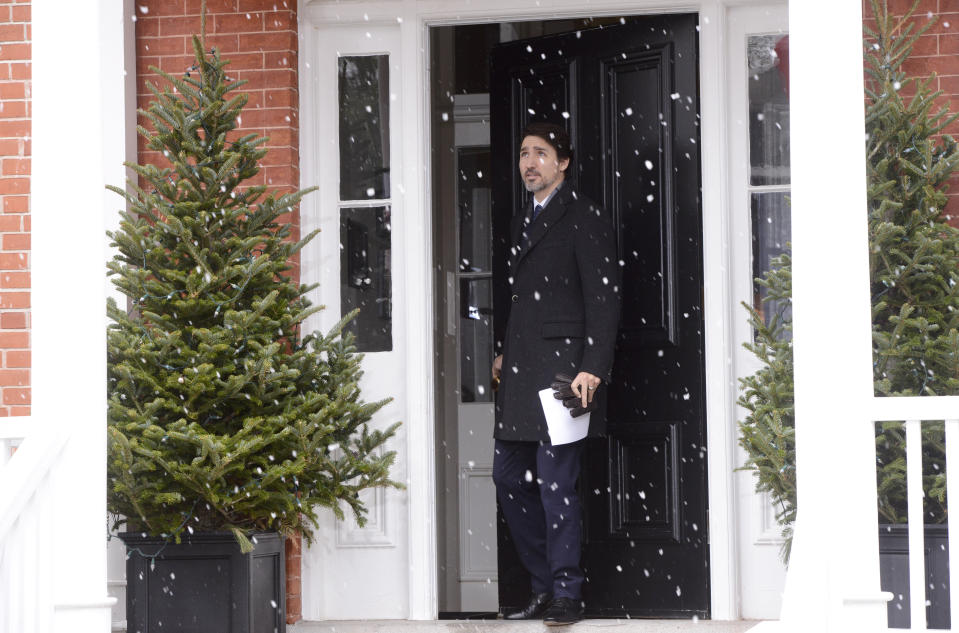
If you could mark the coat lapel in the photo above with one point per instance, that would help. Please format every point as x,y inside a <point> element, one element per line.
<point>516,232</point>
<point>546,220</point>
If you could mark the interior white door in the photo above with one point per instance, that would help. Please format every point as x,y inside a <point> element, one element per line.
<point>474,340</point>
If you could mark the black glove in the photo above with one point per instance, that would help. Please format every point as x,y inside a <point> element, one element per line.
<point>563,390</point>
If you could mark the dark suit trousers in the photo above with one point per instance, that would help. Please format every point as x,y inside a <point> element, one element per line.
<point>536,488</point>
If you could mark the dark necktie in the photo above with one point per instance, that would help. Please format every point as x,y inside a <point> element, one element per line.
<point>536,211</point>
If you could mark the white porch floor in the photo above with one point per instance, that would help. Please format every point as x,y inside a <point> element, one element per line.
<point>501,626</point>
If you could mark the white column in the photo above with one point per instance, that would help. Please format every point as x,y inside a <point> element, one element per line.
<point>77,53</point>
<point>833,580</point>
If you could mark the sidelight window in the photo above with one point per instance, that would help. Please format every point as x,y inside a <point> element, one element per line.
<point>767,58</point>
<point>364,199</point>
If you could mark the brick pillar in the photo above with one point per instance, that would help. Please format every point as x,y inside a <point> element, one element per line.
<point>259,38</point>
<point>15,215</point>
<point>294,601</point>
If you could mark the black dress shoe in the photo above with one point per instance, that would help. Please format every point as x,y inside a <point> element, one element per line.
<point>532,611</point>
<point>563,611</point>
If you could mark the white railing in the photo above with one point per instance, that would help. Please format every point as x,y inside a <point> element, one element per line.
<point>27,524</point>
<point>916,411</point>
<point>833,581</point>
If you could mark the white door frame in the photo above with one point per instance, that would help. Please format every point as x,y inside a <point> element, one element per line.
<point>413,18</point>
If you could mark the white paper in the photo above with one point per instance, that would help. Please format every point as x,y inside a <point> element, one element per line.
<point>563,427</point>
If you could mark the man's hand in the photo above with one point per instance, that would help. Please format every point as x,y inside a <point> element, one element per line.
<point>497,367</point>
<point>584,386</point>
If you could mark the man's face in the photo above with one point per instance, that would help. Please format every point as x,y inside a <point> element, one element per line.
<point>538,165</point>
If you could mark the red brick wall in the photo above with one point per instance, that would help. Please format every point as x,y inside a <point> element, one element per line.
<point>259,38</point>
<point>15,208</point>
<point>937,51</point>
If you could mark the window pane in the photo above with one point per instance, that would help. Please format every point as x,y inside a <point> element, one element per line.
<point>476,339</point>
<point>768,59</point>
<point>473,196</point>
<point>772,230</point>
<point>364,89</point>
<point>365,276</point>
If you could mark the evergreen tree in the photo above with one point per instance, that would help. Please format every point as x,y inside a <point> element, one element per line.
<point>222,414</point>
<point>914,270</point>
<point>914,253</point>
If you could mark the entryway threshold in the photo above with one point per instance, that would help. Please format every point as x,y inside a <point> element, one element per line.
<point>502,626</point>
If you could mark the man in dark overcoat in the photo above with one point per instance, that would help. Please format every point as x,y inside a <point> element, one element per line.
<point>563,316</point>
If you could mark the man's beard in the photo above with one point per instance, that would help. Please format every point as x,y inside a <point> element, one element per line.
<point>543,184</point>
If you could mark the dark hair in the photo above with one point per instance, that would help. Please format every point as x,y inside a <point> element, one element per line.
<point>555,135</point>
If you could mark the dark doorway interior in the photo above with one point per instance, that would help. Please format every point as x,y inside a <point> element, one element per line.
<point>644,489</point>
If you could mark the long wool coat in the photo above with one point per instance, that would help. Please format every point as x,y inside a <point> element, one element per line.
<point>563,310</point>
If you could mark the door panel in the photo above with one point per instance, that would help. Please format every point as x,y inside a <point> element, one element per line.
<point>630,96</point>
<point>645,455</point>
<point>635,87</point>
<point>546,91</point>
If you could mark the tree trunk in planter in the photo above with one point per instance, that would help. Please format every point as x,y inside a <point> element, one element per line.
<point>894,574</point>
<point>205,584</point>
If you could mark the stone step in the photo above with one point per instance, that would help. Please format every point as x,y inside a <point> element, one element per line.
<point>502,626</point>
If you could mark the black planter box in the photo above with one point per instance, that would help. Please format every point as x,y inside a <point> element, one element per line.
<point>205,585</point>
<point>894,574</point>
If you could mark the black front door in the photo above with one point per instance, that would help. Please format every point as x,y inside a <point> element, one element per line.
<point>628,94</point>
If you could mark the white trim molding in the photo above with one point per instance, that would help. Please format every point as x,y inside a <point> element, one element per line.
<point>418,261</point>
